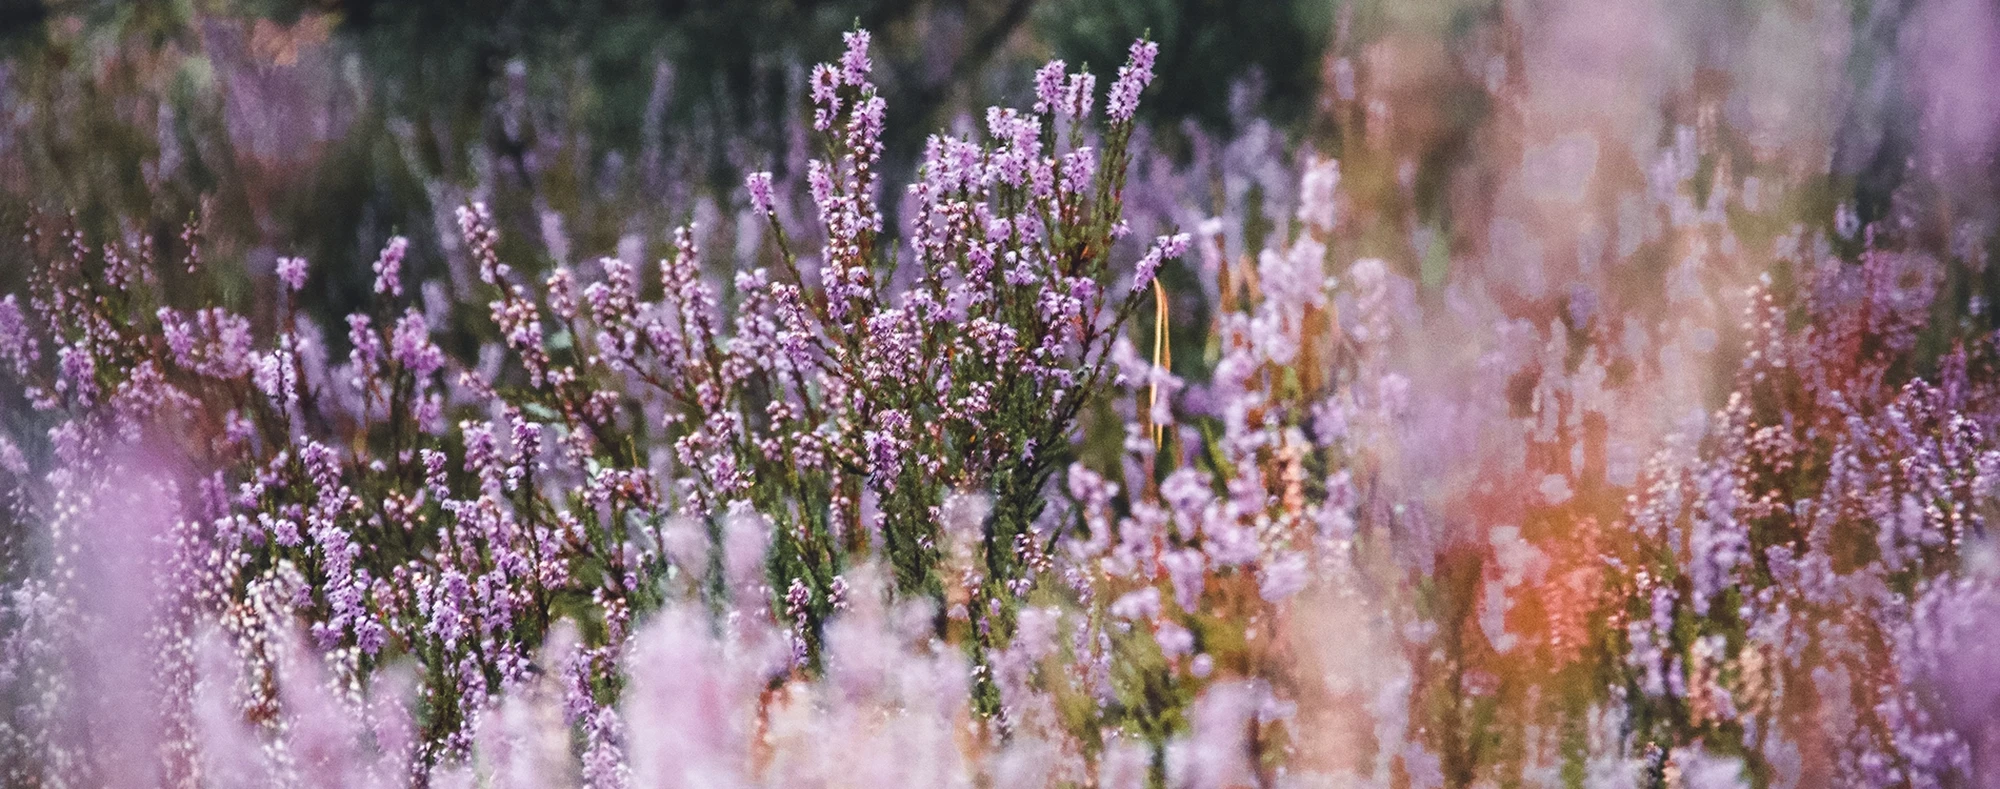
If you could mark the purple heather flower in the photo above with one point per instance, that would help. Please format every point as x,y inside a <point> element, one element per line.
<point>819,182</point>
<point>1283,577</point>
<point>613,301</point>
<point>284,531</point>
<point>759,186</point>
<point>1133,77</point>
<point>865,129</point>
<point>838,594</point>
<point>11,459</point>
<point>1049,88</point>
<point>887,444</point>
<point>1079,170</point>
<point>1137,606</point>
<point>410,345</point>
<point>825,96</point>
<point>16,343</point>
<point>78,368</point>
<point>1164,248</point>
<point>389,267</point>
<point>367,344</point>
<point>475,223</point>
<point>561,287</point>
<point>797,597</point>
<point>1080,94</point>
<point>1318,193</point>
<point>1187,570</point>
<point>292,272</point>
<point>854,63</point>
<point>1175,641</point>
<point>274,376</point>
<point>435,472</point>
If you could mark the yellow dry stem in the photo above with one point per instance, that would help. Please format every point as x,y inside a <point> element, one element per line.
<point>1162,358</point>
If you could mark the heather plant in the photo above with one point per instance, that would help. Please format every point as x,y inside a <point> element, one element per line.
<point>614,452</point>
<point>1476,527</point>
<point>1798,567</point>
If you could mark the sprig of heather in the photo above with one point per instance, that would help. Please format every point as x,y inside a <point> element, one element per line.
<point>969,378</point>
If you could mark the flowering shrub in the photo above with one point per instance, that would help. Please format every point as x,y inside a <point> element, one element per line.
<point>933,507</point>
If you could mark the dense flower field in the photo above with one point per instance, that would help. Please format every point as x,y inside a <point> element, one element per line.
<point>939,499</point>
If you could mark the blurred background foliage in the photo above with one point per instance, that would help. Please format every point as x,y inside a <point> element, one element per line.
<point>322,127</point>
<point>319,127</point>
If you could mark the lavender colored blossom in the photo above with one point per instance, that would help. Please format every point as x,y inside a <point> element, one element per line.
<point>1283,578</point>
<point>292,272</point>
<point>1079,94</point>
<point>389,267</point>
<point>854,63</point>
<point>410,345</point>
<point>1133,77</point>
<point>759,187</point>
<point>1164,248</point>
<point>16,343</point>
<point>1049,85</point>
